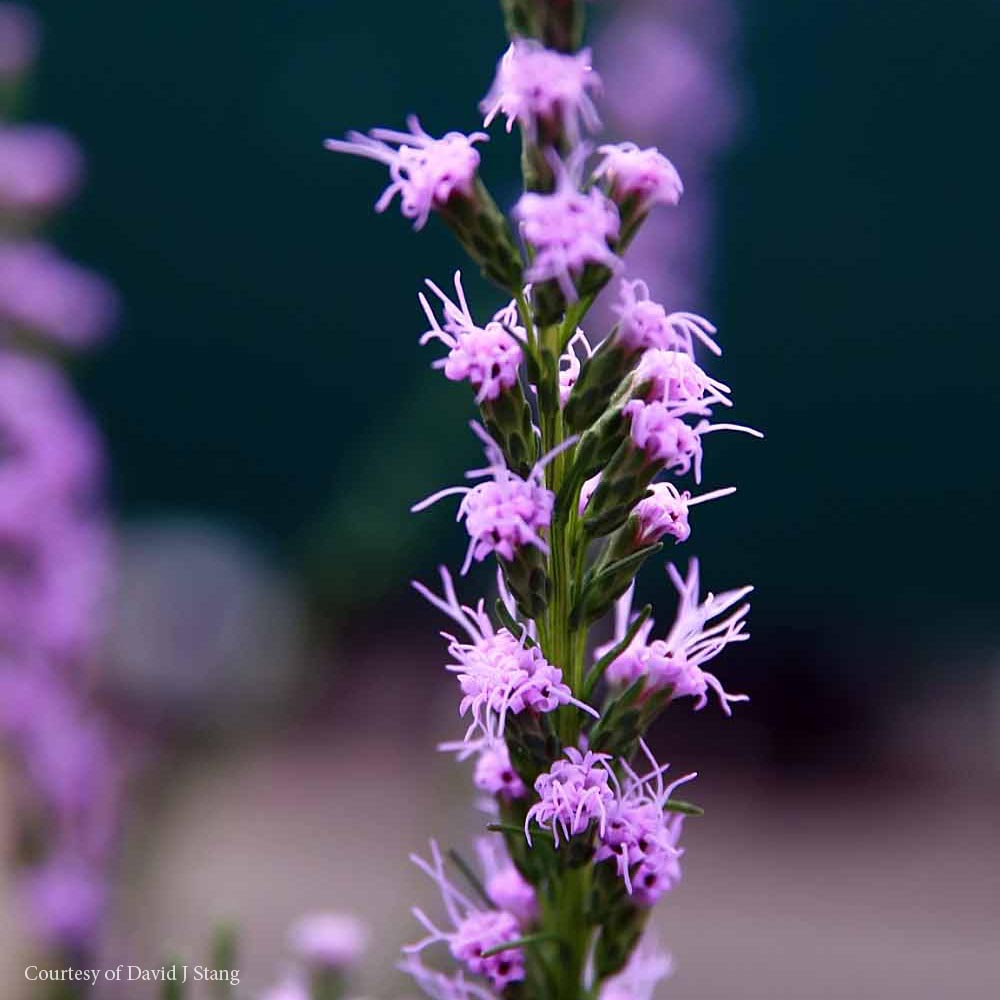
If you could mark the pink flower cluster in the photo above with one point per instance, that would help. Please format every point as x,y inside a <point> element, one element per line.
<point>473,930</point>
<point>677,661</point>
<point>643,174</point>
<point>572,794</point>
<point>504,514</point>
<point>665,511</point>
<point>425,172</point>
<point>500,675</point>
<point>568,230</point>
<point>535,86</point>
<point>644,323</point>
<point>488,357</point>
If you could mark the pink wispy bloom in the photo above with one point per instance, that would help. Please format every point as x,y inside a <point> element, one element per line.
<point>644,174</point>
<point>567,230</point>
<point>698,635</point>
<point>656,429</point>
<point>506,513</point>
<point>489,356</point>
<point>499,674</point>
<point>537,86</point>
<point>473,931</point>
<point>666,511</point>
<point>644,323</point>
<point>673,378</point>
<point>575,792</point>
<point>425,172</point>
<point>640,836</point>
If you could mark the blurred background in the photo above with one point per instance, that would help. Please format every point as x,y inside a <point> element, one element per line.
<point>269,419</point>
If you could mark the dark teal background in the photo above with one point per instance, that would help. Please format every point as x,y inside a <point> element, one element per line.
<point>268,372</point>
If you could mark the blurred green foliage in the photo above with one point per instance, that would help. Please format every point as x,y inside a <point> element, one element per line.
<point>268,369</point>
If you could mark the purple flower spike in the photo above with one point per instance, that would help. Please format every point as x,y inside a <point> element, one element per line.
<point>488,357</point>
<point>568,229</point>
<point>643,174</point>
<point>575,792</point>
<point>425,172</point>
<point>538,86</point>
<point>507,512</point>
<point>474,930</point>
<point>677,660</point>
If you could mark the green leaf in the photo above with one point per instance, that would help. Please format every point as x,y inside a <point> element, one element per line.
<point>521,942</point>
<point>680,806</point>
<point>509,622</point>
<point>224,942</point>
<point>471,877</point>
<point>172,990</point>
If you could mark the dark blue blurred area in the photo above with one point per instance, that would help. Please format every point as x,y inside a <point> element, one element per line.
<point>268,369</point>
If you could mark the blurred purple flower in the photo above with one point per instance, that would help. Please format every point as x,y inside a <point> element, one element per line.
<point>54,539</point>
<point>43,293</point>
<point>329,940</point>
<point>505,885</point>
<point>536,86</point>
<point>638,980</point>
<point>40,168</point>
<point>20,35</point>
<point>54,543</point>
<point>682,61</point>
<point>65,898</point>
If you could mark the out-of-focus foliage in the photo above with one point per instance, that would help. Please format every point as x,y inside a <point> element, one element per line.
<point>263,366</point>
